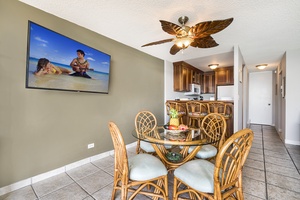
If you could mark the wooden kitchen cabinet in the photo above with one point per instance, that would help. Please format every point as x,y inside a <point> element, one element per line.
<point>185,74</point>
<point>224,76</point>
<point>208,85</point>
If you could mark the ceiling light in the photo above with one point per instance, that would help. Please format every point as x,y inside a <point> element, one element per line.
<point>183,42</point>
<point>262,66</point>
<point>213,66</point>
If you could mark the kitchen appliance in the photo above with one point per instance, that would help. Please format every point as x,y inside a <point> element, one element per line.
<point>225,92</point>
<point>195,90</point>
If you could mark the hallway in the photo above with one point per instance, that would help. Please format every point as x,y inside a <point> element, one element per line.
<point>272,171</point>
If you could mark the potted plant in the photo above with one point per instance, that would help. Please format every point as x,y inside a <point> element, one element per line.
<point>174,117</point>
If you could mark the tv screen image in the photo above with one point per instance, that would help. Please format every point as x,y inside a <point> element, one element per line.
<point>56,62</point>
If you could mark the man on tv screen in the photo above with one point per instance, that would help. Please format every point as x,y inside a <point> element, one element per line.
<point>80,65</point>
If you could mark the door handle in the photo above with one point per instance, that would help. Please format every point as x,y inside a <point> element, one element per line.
<point>269,104</point>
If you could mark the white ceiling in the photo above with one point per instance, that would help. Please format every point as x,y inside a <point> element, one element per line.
<point>263,29</point>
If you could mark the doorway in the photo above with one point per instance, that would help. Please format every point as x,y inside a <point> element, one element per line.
<point>260,97</point>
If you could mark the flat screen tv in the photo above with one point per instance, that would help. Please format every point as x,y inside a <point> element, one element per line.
<point>56,62</point>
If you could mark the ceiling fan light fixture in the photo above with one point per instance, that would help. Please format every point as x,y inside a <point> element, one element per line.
<point>261,66</point>
<point>183,42</point>
<point>213,66</point>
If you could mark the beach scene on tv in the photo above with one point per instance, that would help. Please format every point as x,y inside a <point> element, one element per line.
<point>58,62</point>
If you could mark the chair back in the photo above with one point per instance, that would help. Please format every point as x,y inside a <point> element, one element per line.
<point>229,163</point>
<point>193,107</point>
<point>219,107</point>
<point>121,159</point>
<point>214,126</point>
<point>179,106</point>
<point>145,122</point>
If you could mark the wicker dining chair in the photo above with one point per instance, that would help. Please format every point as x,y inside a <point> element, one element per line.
<point>179,106</point>
<point>214,128</point>
<point>223,109</point>
<point>145,122</point>
<point>141,174</point>
<point>196,111</point>
<point>202,179</point>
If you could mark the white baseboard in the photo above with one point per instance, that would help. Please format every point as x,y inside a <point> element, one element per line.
<point>293,142</point>
<point>40,177</point>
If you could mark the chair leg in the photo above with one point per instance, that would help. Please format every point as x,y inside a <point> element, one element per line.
<point>239,192</point>
<point>124,191</point>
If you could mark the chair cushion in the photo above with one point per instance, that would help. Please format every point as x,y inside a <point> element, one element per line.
<point>206,151</point>
<point>146,146</point>
<point>198,174</point>
<point>145,166</point>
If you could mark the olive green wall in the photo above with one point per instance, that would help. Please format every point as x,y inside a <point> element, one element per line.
<point>41,130</point>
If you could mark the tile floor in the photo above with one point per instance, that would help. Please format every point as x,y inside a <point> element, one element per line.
<point>272,171</point>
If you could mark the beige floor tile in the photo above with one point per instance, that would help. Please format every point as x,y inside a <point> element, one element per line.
<point>297,163</point>
<point>89,198</point>
<point>82,171</point>
<point>251,197</point>
<point>23,193</point>
<point>276,193</point>
<point>284,182</point>
<point>279,161</point>
<point>294,151</point>
<point>256,156</point>
<point>290,146</point>
<point>254,187</point>
<point>255,164</point>
<point>72,191</point>
<point>257,141</point>
<point>276,149</point>
<point>293,173</point>
<point>95,181</point>
<point>104,162</point>
<point>271,145</point>
<point>256,150</point>
<point>253,173</point>
<point>257,145</point>
<point>105,193</point>
<point>52,184</point>
<point>276,154</point>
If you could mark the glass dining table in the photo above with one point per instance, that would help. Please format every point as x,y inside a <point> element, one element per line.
<point>173,146</point>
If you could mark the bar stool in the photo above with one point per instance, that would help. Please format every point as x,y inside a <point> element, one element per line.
<point>222,108</point>
<point>179,106</point>
<point>196,112</point>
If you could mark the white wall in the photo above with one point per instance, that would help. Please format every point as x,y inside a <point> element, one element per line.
<point>238,89</point>
<point>292,118</point>
<point>246,121</point>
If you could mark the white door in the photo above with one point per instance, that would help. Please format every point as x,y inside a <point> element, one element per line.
<point>260,97</point>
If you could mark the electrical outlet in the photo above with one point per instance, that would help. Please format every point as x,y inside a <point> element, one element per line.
<point>92,145</point>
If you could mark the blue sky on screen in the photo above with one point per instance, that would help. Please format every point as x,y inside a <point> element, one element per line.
<point>45,43</point>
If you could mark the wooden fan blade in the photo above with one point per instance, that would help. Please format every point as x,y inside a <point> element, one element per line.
<point>205,29</point>
<point>206,42</point>
<point>174,49</point>
<point>158,42</point>
<point>171,28</point>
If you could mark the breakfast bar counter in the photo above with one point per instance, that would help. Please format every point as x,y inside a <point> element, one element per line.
<point>227,112</point>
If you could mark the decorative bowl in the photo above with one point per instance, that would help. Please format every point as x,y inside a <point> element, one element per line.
<point>174,156</point>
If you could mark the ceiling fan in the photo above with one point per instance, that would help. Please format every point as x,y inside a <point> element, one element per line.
<point>195,36</point>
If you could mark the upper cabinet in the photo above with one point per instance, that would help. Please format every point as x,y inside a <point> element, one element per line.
<point>208,86</point>
<point>224,76</point>
<point>185,74</point>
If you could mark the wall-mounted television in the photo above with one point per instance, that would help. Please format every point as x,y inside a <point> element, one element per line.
<point>56,62</point>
